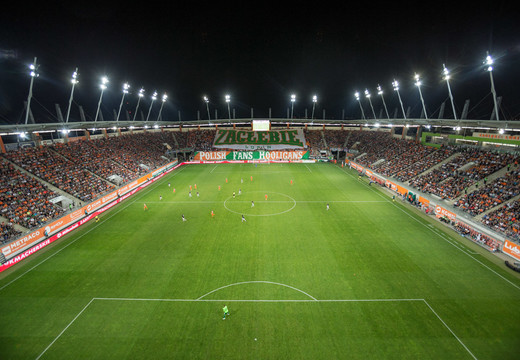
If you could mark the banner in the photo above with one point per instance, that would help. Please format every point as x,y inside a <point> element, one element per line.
<point>440,212</point>
<point>496,136</point>
<point>254,140</point>
<point>511,249</point>
<point>251,155</point>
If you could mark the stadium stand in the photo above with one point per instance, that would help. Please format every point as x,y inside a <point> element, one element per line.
<point>69,176</point>
<point>24,200</point>
<point>84,169</point>
<point>490,195</point>
<point>505,220</point>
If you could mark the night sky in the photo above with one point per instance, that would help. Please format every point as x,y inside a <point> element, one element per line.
<point>259,54</point>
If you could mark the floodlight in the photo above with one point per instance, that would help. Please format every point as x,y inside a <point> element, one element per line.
<point>206,100</point>
<point>489,62</point>
<point>380,92</point>
<point>102,86</point>
<point>395,84</point>
<point>33,73</point>
<point>125,91</point>
<point>446,74</point>
<point>140,94</point>
<point>74,81</point>
<point>418,83</point>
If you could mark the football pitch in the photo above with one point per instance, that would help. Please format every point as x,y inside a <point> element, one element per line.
<point>362,278</point>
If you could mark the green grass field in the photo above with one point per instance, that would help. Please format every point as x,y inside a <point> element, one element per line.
<point>367,279</point>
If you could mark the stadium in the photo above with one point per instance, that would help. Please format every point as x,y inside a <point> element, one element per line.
<point>391,241</point>
<point>210,183</point>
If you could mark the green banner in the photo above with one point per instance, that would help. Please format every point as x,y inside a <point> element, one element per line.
<point>266,140</point>
<point>261,155</point>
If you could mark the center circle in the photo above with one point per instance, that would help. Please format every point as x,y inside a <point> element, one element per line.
<point>259,201</point>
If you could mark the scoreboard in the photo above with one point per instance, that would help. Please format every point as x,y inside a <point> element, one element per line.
<point>261,125</point>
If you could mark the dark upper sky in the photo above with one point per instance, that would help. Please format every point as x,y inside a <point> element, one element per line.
<point>259,54</point>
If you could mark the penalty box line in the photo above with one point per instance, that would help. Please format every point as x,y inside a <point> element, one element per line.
<point>261,301</point>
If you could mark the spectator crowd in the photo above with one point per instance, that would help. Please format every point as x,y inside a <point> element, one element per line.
<point>85,170</point>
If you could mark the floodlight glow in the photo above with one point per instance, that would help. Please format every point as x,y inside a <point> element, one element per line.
<point>33,72</point>
<point>74,79</point>
<point>356,94</point>
<point>104,82</point>
<point>367,93</point>
<point>501,131</point>
<point>314,98</point>
<point>164,97</point>
<point>228,99</point>
<point>489,61</point>
<point>206,99</point>
<point>379,90</point>
<point>293,98</point>
<point>141,92</point>
<point>417,80</point>
<point>125,88</point>
<point>446,73</point>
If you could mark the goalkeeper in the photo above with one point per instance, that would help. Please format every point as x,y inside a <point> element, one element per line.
<point>226,312</point>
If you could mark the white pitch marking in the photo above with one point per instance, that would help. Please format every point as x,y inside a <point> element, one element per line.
<point>314,300</point>
<point>259,281</point>
<point>451,331</point>
<point>66,327</point>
